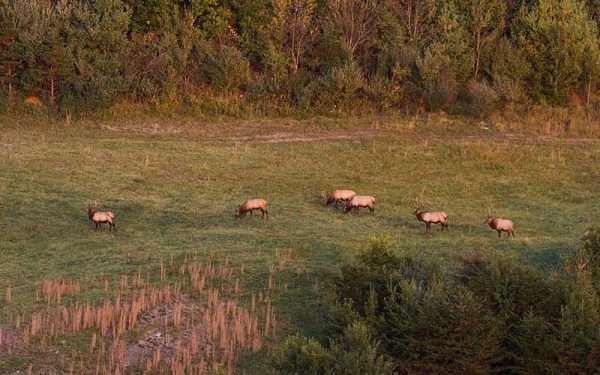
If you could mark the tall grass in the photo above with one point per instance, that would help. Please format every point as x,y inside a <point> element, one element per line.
<point>215,335</point>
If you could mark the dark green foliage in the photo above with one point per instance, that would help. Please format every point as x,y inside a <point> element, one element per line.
<point>352,353</point>
<point>591,246</point>
<point>303,355</point>
<point>468,55</point>
<point>339,88</point>
<point>490,316</point>
<point>561,42</point>
<point>98,43</point>
<point>227,68</point>
<point>511,290</point>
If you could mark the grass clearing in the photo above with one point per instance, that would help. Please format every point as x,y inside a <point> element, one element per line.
<point>174,187</point>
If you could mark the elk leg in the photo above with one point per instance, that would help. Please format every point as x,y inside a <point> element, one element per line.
<point>513,233</point>
<point>263,213</point>
<point>267,213</point>
<point>114,227</point>
<point>372,210</point>
<point>499,234</point>
<point>427,227</point>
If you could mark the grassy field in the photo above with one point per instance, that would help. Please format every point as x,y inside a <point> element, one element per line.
<point>174,185</point>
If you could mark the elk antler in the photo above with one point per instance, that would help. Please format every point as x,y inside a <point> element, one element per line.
<point>92,204</point>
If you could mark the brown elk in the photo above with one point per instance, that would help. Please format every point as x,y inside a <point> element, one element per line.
<point>252,205</point>
<point>33,101</point>
<point>338,196</point>
<point>431,218</point>
<point>500,225</point>
<point>359,201</point>
<point>100,217</point>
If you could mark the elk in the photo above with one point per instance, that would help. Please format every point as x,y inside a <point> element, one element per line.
<point>500,225</point>
<point>99,217</point>
<point>431,218</point>
<point>359,201</point>
<point>338,196</point>
<point>33,101</point>
<point>251,205</point>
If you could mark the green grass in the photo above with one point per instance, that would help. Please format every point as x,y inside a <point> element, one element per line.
<point>183,200</point>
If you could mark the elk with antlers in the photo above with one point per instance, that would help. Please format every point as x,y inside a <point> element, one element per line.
<point>500,225</point>
<point>99,217</point>
<point>431,218</point>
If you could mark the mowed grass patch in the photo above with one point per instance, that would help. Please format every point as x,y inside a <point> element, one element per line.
<point>174,195</point>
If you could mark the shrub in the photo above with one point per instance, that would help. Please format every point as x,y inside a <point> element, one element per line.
<point>340,87</point>
<point>303,356</point>
<point>352,353</point>
<point>384,92</point>
<point>438,330</point>
<point>436,79</point>
<point>264,87</point>
<point>481,99</point>
<point>227,68</point>
<point>509,90</point>
<point>511,289</point>
<point>591,245</point>
<point>355,354</point>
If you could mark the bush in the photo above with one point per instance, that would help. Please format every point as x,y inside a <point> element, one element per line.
<point>509,90</point>
<point>227,69</point>
<point>303,356</point>
<point>352,353</point>
<point>384,92</point>
<point>339,88</point>
<point>510,289</point>
<point>264,87</point>
<point>436,79</point>
<point>591,246</point>
<point>482,100</point>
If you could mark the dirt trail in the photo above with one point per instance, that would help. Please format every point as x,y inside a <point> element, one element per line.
<point>284,137</point>
<point>253,133</point>
<point>290,137</point>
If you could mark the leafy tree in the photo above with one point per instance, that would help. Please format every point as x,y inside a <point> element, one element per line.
<point>298,21</point>
<point>561,41</point>
<point>417,18</point>
<point>211,17</point>
<point>9,58</point>
<point>150,15</point>
<point>97,38</point>
<point>485,22</point>
<point>355,23</point>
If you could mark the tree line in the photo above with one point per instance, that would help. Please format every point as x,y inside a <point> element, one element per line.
<point>469,56</point>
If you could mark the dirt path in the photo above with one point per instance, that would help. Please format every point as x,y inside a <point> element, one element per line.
<point>284,137</point>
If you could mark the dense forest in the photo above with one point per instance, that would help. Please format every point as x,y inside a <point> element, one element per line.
<point>466,56</point>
